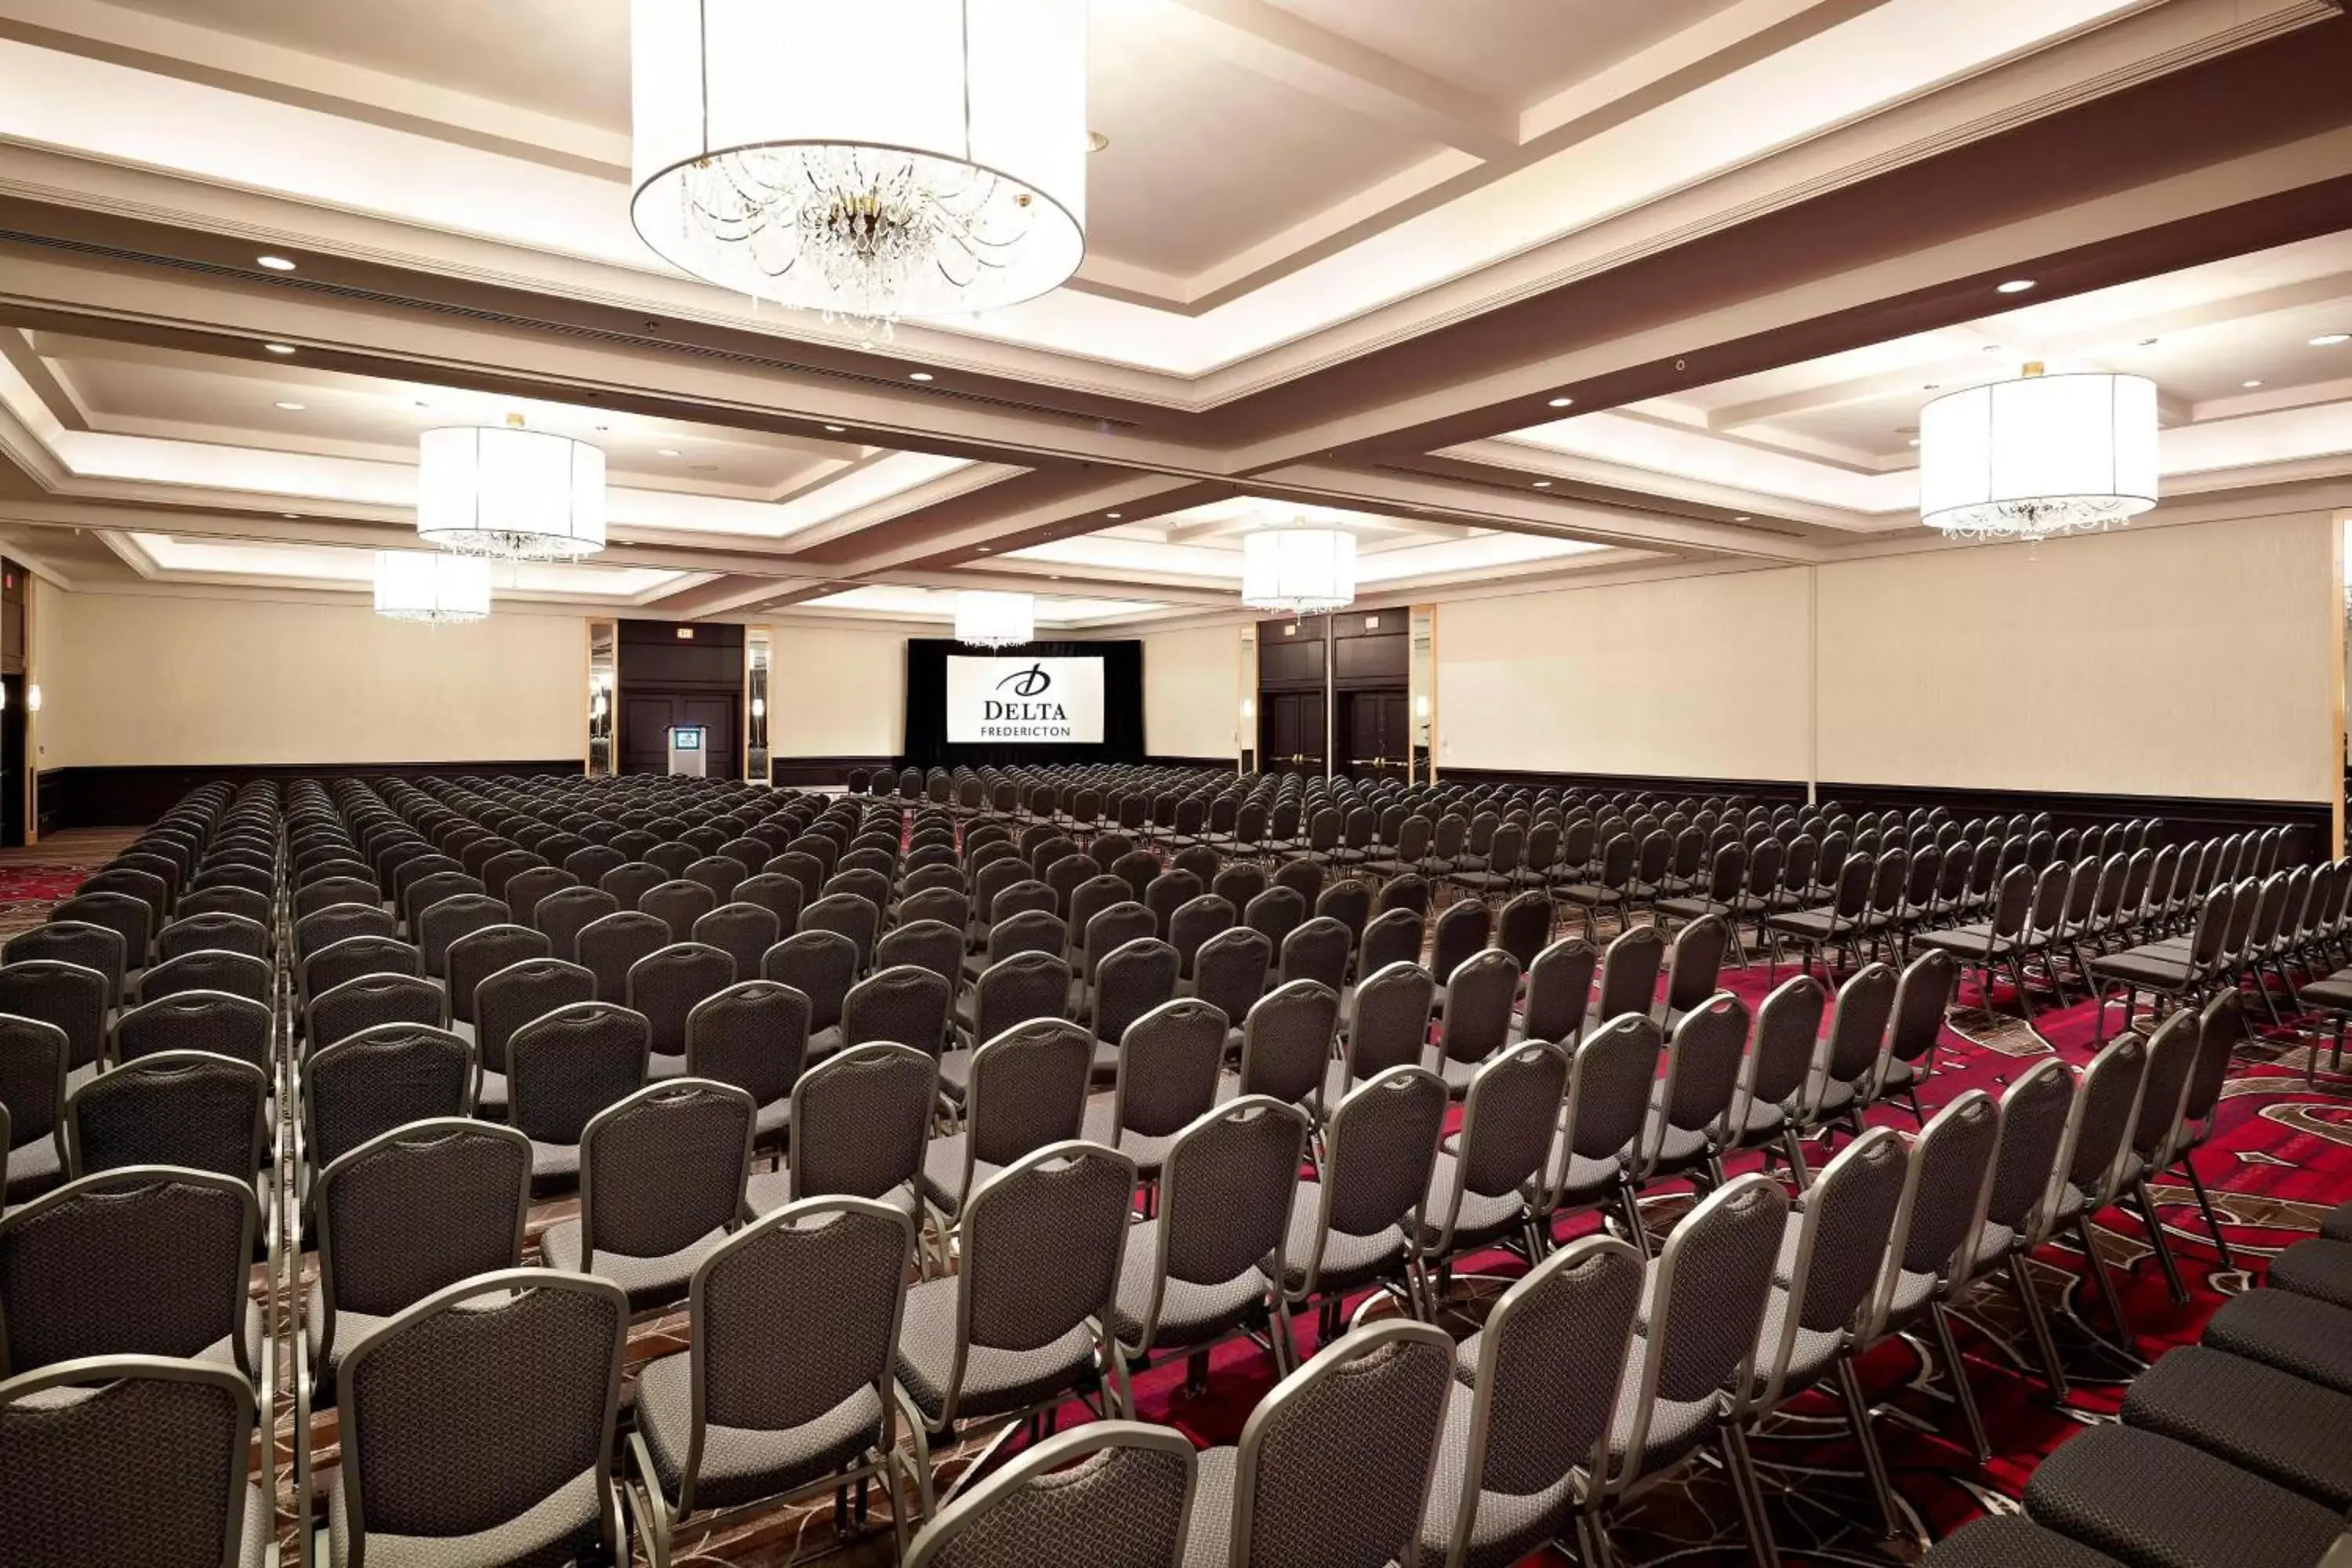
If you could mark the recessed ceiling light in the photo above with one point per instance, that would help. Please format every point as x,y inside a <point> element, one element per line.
<point>704,467</point>
<point>2250,385</point>
<point>983,550</point>
<point>279,348</point>
<point>1915,440</point>
<point>918,376</point>
<point>834,429</point>
<point>1994,349</point>
<point>292,516</point>
<point>1114,516</point>
<point>275,263</point>
<point>1564,401</point>
<point>667,452</point>
<point>2149,342</point>
<point>2015,286</point>
<point>1743,517</point>
<point>292,408</point>
<point>2329,340</point>
<point>602,428</point>
<point>1543,484</point>
<point>1933,386</point>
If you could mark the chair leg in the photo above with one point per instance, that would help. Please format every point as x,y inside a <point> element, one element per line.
<point>2037,1322</point>
<point>2155,1236</point>
<point>1961,1389</point>
<point>2096,1268</point>
<point>1636,1231</point>
<point>1873,1463</point>
<point>1794,1147</point>
<point>1742,1468</point>
<point>2205,1204</point>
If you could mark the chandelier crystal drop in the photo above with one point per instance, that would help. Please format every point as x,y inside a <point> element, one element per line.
<point>1298,570</point>
<point>431,585</point>
<point>2039,456</point>
<point>995,620</point>
<point>889,159</point>
<point>509,492</point>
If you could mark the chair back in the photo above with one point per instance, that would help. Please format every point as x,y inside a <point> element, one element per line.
<point>481,1402</point>
<point>125,1460</point>
<point>141,1260</point>
<point>663,1167</point>
<point>565,1066</point>
<point>1110,1492</point>
<point>366,1084</point>
<point>860,1120</point>
<point>191,1109</point>
<point>1308,1487</point>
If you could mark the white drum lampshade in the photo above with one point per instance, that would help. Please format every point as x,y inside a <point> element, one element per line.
<point>2039,456</point>
<point>878,160</point>
<point>431,585</point>
<point>995,620</point>
<point>1298,571</point>
<point>504,490</point>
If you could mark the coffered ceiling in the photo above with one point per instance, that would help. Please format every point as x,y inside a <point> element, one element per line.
<point>1519,290</point>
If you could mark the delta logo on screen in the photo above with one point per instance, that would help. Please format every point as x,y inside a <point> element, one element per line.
<point>1027,711</point>
<point>1024,699</point>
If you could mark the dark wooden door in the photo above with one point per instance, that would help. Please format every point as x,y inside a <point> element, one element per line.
<point>1292,731</point>
<point>646,718</point>
<point>1373,733</point>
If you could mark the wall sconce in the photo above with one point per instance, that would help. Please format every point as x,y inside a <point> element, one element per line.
<point>759,708</point>
<point>1249,708</point>
<point>3,699</point>
<point>1421,707</point>
<point>32,700</point>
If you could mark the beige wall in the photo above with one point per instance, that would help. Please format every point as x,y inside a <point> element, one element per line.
<point>2192,659</point>
<point>837,691</point>
<point>132,679</point>
<point>1701,677</point>
<point>1192,692</point>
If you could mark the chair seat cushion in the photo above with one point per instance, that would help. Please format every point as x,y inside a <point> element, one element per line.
<point>1676,1426</point>
<point>1348,1260</point>
<point>33,1169</point>
<point>743,1464</point>
<point>2319,1268</point>
<point>943,1174</point>
<point>1100,1126</point>
<point>1507,1525</point>
<point>2257,1417</point>
<point>1190,1313</point>
<point>2153,1502</point>
<point>1481,1217</point>
<point>2140,967</point>
<point>649,1281</point>
<point>994,1380</point>
<point>559,1526</point>
<point>769,1191</point>
<point>350,1328</point>
<point>2294,1334</point>
<point>1810,925</point>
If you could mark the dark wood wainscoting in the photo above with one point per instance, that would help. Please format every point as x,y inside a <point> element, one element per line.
<point>135,796</point>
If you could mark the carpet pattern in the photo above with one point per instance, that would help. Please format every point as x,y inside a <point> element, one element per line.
<point>2280,1156</point>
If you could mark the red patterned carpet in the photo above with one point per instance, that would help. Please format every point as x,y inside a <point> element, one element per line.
<point>27,891</point>
<point>2281,1155</point>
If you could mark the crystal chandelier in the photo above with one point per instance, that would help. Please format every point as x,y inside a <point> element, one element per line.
<point>431,585</point>
<point>2039,456</point>
<point>505,491</point>
<point>995,620</point>
<point>1298,571</point>
<point>874,160</point>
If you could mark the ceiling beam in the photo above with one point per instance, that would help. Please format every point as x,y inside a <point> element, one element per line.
<point>1462,498</point>
<point>1291,50</point>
